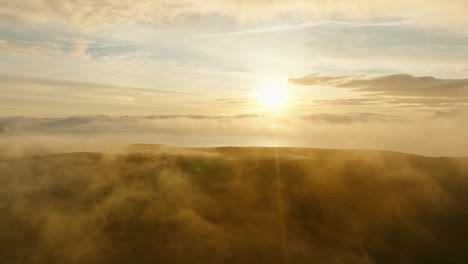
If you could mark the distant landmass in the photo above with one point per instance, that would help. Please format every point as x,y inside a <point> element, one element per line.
<point>157,204</point>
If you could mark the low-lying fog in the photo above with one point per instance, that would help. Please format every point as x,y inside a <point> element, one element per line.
<point>155,204</point>
<point>429,137</point>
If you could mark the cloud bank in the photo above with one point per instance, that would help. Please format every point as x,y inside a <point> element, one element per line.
<point>395,84</point>
<point>440,133</point>
<point>395,89</point>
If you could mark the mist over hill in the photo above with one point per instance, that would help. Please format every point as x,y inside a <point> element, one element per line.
<point>156,204</point>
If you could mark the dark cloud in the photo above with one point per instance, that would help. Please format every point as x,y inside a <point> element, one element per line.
<point>408,85</point>
<point>400,90</point>
<point>392,85</point>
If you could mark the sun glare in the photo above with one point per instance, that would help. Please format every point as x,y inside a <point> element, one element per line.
<point>272,95</point>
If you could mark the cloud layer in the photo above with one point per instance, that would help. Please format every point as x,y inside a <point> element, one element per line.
<point>441,133</point>
<point>395,85</point>
<point>104,13</point>
<point>396,89</point>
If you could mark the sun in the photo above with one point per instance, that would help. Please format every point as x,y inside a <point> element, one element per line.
<point>272,96</point>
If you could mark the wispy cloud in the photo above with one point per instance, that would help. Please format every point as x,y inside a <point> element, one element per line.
<point>73,97</point>
<point>88,14</point>
<point>326,118</point>
<point>282,28</point>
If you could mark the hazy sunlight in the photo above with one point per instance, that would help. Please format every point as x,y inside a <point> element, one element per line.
<point>272,95</point>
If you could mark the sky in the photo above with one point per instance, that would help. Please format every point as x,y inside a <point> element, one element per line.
<point>351,74</point>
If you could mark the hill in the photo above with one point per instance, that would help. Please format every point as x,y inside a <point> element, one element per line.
<point>156,204</point>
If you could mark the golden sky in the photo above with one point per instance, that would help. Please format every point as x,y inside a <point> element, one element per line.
<point>363,65</point>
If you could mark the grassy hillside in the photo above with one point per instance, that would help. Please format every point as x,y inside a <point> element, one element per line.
<point>153,204</point>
